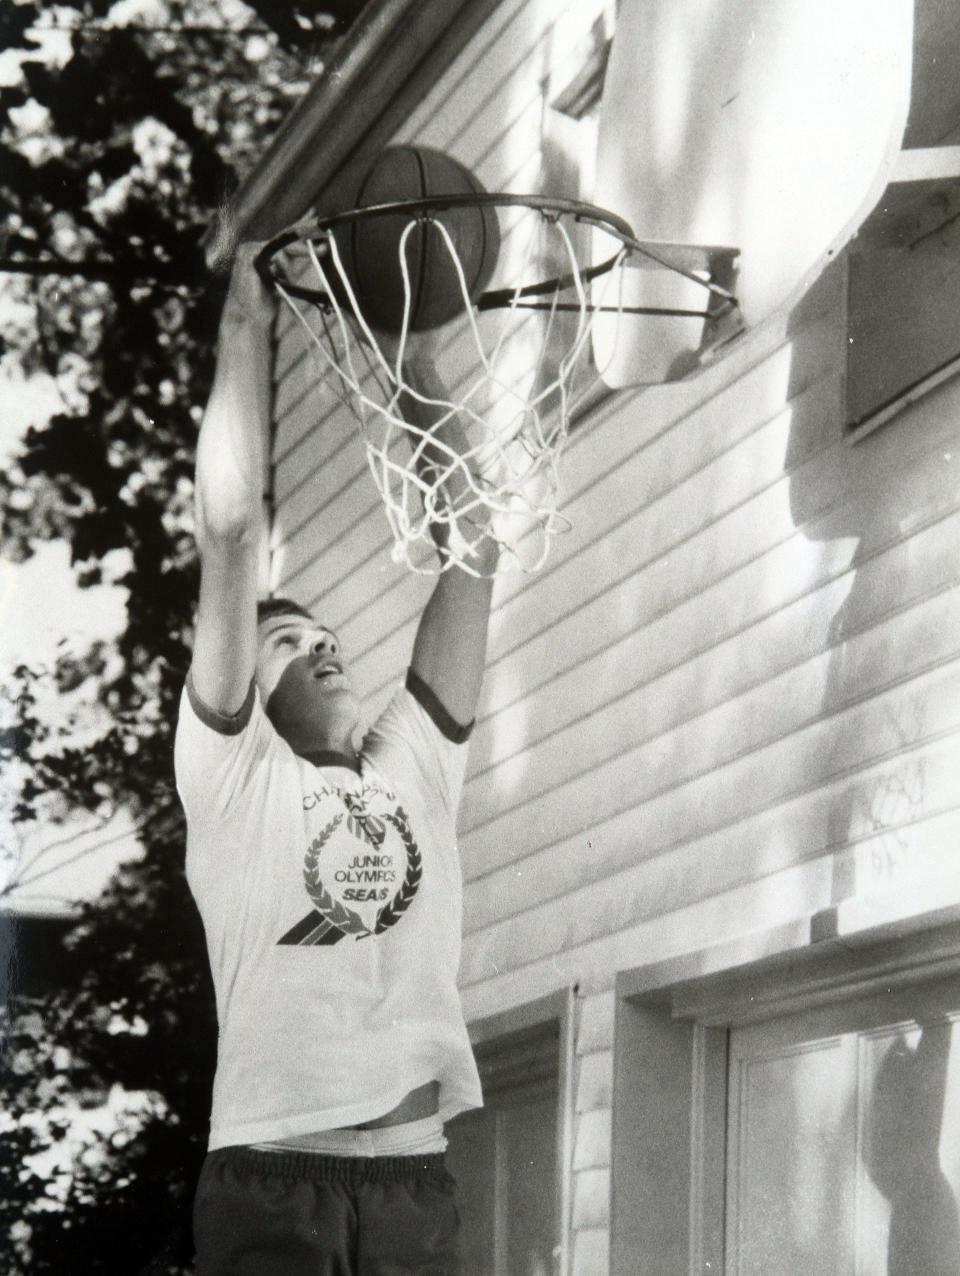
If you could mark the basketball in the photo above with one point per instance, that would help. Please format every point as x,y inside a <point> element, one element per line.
<point>370,248</point>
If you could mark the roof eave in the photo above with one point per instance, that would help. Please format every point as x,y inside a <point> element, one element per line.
<point>394,49</point>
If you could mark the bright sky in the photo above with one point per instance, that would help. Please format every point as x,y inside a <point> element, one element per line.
<point>42,611</point>
<point>40,604</point>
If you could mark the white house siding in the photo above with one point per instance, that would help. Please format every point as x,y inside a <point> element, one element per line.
<point>732,697</point>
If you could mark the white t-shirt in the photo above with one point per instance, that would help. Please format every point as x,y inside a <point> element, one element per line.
<point>331,902</point>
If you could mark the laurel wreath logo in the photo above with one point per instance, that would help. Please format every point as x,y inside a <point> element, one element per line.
<point>391,913</point>
<point>344,918</point>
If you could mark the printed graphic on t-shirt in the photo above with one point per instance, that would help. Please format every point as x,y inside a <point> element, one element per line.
<point>362,868</point>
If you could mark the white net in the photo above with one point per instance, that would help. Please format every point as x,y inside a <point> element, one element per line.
<point>478,463</point>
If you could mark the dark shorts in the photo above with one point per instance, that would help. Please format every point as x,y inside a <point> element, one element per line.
<point>305,1214</point>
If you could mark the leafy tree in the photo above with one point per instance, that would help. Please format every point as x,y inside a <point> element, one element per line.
<point>116,146</point>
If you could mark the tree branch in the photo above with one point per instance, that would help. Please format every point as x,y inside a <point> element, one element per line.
<point>19,883</point>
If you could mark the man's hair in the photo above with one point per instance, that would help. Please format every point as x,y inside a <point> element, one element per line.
<point>267,608</point>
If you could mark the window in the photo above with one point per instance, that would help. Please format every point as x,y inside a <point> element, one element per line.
<point>903,331</point>
<point>510,1157</point>
<point>903,280</point>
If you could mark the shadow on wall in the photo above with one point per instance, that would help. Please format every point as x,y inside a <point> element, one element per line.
<point>903,1155</point>
<point>892,488</point>
<point>861,504</point>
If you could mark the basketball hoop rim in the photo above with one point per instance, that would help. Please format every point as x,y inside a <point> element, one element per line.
<point>550,207</point>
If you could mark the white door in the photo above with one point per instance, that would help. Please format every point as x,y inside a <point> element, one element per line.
<point>843,1150</point>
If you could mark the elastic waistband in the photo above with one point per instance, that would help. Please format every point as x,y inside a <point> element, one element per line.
<point>412,1138</point>
<point>317,1167</point>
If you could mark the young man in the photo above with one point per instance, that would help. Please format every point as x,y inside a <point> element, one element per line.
<point>327,876</point>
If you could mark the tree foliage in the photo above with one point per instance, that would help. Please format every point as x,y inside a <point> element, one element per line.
<point>117,143</point>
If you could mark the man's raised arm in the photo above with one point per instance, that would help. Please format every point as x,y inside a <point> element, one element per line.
<point>229,487</point>
<point>450,650</point>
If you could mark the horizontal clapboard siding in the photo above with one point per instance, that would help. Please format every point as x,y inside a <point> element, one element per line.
<point>704,784</point>
<point>721,583</point>
<point>732,696</point>
<point>773,902</point>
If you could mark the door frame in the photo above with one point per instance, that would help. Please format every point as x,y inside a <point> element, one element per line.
<point>671,1033</point>
<point>558,1007</point>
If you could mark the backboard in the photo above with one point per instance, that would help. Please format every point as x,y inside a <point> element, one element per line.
<point>770,126</point>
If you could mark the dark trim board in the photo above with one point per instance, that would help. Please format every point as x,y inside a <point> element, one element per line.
<point>33,959</point>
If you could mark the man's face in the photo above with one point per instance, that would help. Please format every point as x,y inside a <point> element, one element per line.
<point>300,672</point>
